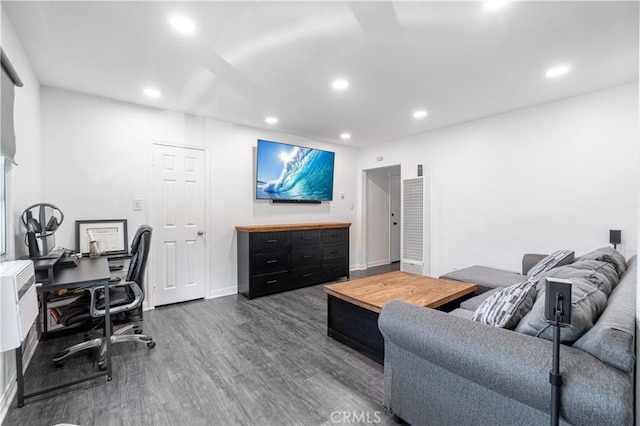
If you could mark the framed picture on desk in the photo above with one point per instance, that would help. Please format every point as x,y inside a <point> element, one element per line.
<point>111,234</point>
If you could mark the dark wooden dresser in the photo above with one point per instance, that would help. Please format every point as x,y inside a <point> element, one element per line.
<point>275,258</point>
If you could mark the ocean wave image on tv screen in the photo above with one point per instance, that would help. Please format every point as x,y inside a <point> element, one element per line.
<point>288,172</point>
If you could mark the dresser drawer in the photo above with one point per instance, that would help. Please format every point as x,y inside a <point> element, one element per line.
<point>335,252</point>
<point>335,270</point>
<point>306,276</point>
<point>269,283</point>
<point>270,240</point>
<point>336,235</point>
<point>306,238</point>
<point>301,257</point>
<point>264,263</point>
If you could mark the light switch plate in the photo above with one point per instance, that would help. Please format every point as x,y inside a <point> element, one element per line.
<point>137,204</point>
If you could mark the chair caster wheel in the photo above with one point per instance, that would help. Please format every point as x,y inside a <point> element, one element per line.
<point>137,331</point>
<point>59,363</point>
<point>151,345</point>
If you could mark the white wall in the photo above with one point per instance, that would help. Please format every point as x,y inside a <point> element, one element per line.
<point>549,177</point>
<point>25,178</point>
<point>96,153</point>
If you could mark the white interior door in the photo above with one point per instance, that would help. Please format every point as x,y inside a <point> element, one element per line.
<point>178,217</point>
<point>395,216</point>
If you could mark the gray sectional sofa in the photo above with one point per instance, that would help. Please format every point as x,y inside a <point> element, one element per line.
<point>443,368</point>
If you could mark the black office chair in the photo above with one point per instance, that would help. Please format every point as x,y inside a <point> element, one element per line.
<point>125,298</point>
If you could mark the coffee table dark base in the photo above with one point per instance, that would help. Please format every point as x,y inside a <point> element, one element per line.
<point>356,327</point>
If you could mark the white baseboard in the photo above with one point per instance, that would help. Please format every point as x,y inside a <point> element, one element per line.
<point>378,263</point>
<point>7,398</point>
<point>219,292</point>
<point>358,267</point>
<point>146,307</point>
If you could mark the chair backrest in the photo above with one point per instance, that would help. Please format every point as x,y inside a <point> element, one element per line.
<point>140,247</point>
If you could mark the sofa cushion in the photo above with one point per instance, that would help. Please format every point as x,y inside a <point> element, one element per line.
<point>473,303</point>
<point>555,259</point>
<point>611,339</point>
<point>486,278</point>
<point>602,274</point>
<point>610,255</point>
<point>507,306</point>
<point>462,313</point>
<point>587,303</point>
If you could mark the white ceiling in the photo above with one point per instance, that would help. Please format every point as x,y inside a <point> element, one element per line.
<point>246,60</point>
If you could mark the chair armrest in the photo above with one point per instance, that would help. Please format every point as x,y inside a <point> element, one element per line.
<point>138,296</point>
<point>509,363</point>
<point>529,260</point>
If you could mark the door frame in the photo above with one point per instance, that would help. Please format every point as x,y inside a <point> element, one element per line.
<point>150,291</point>
<point>399,218</point>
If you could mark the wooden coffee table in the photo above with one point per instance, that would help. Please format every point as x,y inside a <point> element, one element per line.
<point>353,306</point>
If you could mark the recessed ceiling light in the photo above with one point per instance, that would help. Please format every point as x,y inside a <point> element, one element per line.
<point>345,136</point>
<point>152,93</point>
<point>182,24</point>
<point>340,84</point>
<point>271,120</point>
<point>420,114</point>
<point>495,4</point>
<point>557,71</point>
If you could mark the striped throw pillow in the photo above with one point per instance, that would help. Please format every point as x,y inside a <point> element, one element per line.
<point>506,307</point>
<point>558,258</point>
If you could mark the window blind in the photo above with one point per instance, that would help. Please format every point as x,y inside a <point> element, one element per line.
<point>8,81</point>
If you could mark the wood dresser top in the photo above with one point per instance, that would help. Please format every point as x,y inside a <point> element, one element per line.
<point>373,292</point>
<point>292,227</point>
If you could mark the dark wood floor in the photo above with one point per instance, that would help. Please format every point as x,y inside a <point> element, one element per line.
<point>223,361</point>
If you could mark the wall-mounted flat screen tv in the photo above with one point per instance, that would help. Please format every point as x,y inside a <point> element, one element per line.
<point>293,173</point>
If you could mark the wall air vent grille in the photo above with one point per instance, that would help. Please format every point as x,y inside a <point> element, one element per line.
<point>412,267</point>
<point>413,219</point>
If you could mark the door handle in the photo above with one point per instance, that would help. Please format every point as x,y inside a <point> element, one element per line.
<point>200,233</point>
<point>395,223</point>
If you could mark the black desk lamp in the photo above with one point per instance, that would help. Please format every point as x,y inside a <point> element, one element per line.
<point>615,237</point>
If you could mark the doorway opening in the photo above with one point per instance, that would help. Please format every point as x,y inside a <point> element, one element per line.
<point>382,216</point>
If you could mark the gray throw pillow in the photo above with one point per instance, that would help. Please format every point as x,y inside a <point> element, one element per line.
<point>611,339</point>
<point>558,258</point>
<point>506,307</point>
<point>587,303</point>
<point>601,274</point>
<point>609,255</point>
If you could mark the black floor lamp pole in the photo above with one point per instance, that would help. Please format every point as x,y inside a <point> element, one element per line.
<point>555,378</point>
<point>557,313</point>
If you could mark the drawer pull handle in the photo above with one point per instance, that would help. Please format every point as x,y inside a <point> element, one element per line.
<point>337,269</point>
<point>307,257</point>
<point>305,238</point>
<point>335,252</point>
<point>306,275</point>
<point>334,235</point>
<point>272,261</point>
<point>272,241</point>
<point>272,282</point>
